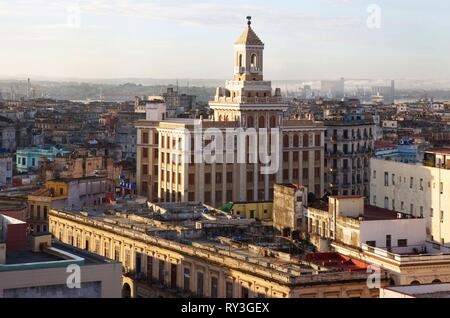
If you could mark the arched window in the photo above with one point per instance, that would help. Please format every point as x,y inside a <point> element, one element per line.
<point>273,121</point>
<point>250,122</point>
<point>254,60</point>
<point>262,122</point>
<point>296,141</point>
<point>226,118</point>
<point>436,281</point>
<point>240,60</point>
<point>220,117</point>
<point>286,141</point>
<point>416,282</point>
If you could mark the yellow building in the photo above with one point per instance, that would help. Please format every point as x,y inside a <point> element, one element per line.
<point>251,210</point>
<point>40,201</point>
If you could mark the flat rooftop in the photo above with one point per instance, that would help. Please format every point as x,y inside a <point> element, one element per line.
<point>6,205</point>
<point>371,213</point>
<point>423,291</point>
<point>244,245</point>
<point>58,255</point>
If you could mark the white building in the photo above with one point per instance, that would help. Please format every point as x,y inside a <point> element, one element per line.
<point>417,190</point>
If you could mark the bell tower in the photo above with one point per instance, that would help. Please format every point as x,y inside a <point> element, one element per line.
<point>248,54</point>
<point>248,98</point>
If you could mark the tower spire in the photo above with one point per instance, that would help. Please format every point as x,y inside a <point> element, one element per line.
<point>249,22</point>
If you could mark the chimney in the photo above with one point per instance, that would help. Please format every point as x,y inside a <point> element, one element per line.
<point>38,242</point>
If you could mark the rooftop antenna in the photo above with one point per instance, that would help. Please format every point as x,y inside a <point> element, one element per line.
<point>249,18</point>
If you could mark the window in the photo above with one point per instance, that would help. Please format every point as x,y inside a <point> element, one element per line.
<point>393,179</point>
<point>305,140</point>
<point>145,138</point>
<point>411,182</point>
<point>214,284</point>
<point>318,140</point>
<point>421,184</point>
<point>200,282</point>
<point>161,272</point>
<point>388,241</point>
<point>411,210</point>
<point>229,290</point>
<point>187,279</point>
<point>442,216</point>
<point>386,179</point>
<point>402,243</point>
<point>244,292</point>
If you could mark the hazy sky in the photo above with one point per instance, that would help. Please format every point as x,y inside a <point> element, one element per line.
<point>305,39</point>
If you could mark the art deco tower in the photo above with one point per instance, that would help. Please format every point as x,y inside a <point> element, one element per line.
<point>249,99</point>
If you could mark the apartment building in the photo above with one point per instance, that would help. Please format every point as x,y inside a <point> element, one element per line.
<point>349,146</point>
<point>419,190</point>
<point>37,267</point>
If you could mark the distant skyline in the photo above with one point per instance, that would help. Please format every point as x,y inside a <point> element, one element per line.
<point>305,39</point>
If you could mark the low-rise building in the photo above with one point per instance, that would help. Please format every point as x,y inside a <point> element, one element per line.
<point>288,205</point>
<point>76,192</point>
<point>30,158</point>
<point>38,267</point>
<point>261,210</point>
<point>390,240</point>
<point>183,249</point>
<point>348,221</point>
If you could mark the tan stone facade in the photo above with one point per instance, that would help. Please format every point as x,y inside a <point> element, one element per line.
<point>248,103</point>
<point>199,269</point>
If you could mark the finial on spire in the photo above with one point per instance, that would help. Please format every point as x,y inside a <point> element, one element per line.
<point>249,18</point>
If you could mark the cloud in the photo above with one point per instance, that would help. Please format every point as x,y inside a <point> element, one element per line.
<point>197,13</point>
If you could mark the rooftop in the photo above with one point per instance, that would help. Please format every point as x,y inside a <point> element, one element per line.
<point>249,37</point>
<point>246,245</point>
<point>423,291</point>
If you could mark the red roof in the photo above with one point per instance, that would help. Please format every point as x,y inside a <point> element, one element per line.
<point>336,261</point>
<point>379,144</point>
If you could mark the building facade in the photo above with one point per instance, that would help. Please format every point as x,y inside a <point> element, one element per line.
<point>246,104</point>
<point>157,263</point>
<point>6,169</point>
<point>30,158</point>
<point>418,190</point>
<point>349,147</point>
